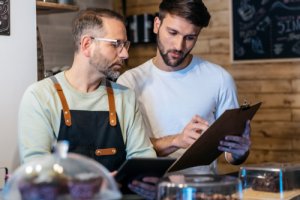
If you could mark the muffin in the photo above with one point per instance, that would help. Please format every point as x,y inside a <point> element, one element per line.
<point>43,187</point>
<point>85,186</point>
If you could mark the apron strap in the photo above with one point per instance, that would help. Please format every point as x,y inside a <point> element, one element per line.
<point>111,103</point>
<point>66,110</point>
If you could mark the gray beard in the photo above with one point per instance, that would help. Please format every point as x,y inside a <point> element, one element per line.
<point>112,75</point>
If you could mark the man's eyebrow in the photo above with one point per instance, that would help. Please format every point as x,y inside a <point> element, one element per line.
<point>188,35</point>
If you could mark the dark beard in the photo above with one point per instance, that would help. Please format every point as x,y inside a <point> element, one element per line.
<point>164,56</point>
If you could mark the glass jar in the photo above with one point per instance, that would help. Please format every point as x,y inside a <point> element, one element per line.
<point>199,187</point>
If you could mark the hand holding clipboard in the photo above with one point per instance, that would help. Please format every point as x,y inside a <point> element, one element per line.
<point>202,152</point>
<point>205,148</point>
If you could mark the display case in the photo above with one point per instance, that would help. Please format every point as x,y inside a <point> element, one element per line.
<point>199,187</point>
<point>61,176</point>
<point>271,181</point>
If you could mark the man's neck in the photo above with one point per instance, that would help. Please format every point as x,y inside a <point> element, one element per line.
<point>82,79</point>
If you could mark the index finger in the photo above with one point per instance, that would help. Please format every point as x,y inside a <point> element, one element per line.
<point>199,119</point>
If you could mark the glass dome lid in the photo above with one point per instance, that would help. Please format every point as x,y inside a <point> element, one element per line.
<point>199,187</point>
<point>61,176</point>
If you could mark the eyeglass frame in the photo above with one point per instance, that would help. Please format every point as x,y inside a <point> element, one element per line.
<point>116,43</point>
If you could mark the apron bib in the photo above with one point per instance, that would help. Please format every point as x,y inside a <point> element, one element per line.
<point>96,134</point>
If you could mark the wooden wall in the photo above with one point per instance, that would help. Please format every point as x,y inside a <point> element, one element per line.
<point>276,127</point>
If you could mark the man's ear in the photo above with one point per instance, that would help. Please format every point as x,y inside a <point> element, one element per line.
<point>156,24</point>
<point>86,46</point>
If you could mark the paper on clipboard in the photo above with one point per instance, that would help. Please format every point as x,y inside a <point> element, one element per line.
<point>205,149</point>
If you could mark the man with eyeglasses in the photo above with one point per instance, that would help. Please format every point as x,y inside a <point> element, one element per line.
<point>99,118</point>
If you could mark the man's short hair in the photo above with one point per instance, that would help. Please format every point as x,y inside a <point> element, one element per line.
<point>90,20</point>
<point>192,10</point>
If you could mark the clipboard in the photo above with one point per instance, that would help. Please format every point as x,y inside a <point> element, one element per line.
<point>205,149</point>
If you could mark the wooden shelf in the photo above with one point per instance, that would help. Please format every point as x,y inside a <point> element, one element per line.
<point>48,8</point>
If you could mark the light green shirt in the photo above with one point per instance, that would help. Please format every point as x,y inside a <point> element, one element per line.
<point>40,116</point>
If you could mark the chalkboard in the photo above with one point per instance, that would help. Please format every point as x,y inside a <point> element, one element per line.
<point>4,17</point>
<point>265,30</point>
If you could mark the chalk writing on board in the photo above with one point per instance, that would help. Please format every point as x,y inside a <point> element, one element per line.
<point>266,29</point>
<point>4,17</point>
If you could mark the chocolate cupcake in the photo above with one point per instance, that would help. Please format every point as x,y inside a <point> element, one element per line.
<point>85,186</point>
<point>43,187</point>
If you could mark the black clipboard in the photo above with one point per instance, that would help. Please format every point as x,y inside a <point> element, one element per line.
<point>137,168</point>
<point>205,149</point>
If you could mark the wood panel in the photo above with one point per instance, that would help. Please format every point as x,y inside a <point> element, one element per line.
<point>201,47</point>
<point>215,5</point>
<point>278,100</point>
<point>257,71</point>
<point>272,115</point>
<point>277,129</point>
<point>214,32</point>
<point>264,86</point>
<point>296,85</point>
<point>219,46</point>
<point>219,18</point>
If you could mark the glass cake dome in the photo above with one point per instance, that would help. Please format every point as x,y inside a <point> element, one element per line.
<point>199,187</point>
<point>61,176</point>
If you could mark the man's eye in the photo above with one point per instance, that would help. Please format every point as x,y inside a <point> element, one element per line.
<point>172,33</point>
<point>115,44</point>
<point>190,38</point>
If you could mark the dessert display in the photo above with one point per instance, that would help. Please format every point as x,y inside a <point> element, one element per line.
<point>46,187</point>
<point>199,187</point>
<point>205,197</point>
<point>61,176</point>
<point>271,181</point>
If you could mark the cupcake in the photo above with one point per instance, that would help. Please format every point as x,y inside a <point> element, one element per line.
<point>85,186</point>
<point>43,186</point>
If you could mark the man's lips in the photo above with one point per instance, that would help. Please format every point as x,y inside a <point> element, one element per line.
<point>117,66</point>
<point>175,54</point>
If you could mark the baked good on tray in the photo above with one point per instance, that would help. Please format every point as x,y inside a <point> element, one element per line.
<point>270,182</point>
<point>84,186</point>
<point>43,187</point>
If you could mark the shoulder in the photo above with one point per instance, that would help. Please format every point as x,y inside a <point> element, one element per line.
<point>42,90</point>
<point>121,90</point>
<point>135,74</point>
<point>212,69</point>
<point>41,86</point>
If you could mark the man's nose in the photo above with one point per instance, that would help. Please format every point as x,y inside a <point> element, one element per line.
<point>124,54</point>
<point>179,43</point>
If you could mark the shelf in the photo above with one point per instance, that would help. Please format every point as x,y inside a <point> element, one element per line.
<point>49,8</point>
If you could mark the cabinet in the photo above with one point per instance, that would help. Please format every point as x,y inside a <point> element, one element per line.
<point>48,8</point>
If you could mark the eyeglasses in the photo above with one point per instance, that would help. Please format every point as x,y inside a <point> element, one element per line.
<point>118,44</point>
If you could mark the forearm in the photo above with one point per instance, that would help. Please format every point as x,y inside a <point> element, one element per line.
<point>164,146</point>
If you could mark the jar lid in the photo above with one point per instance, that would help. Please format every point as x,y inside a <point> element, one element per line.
<point>182,186</point>
<point>61,175</point>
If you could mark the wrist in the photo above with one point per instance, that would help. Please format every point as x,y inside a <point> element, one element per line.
<point>234,160</point>
<point>175,142</point>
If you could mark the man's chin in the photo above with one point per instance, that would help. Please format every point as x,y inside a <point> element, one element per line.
<point>170,61</point>
<point>173,63</point>
<point>113,75</point>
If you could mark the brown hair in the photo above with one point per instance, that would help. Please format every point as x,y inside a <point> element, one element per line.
<point>192,10</point>
<point>90,20</point>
